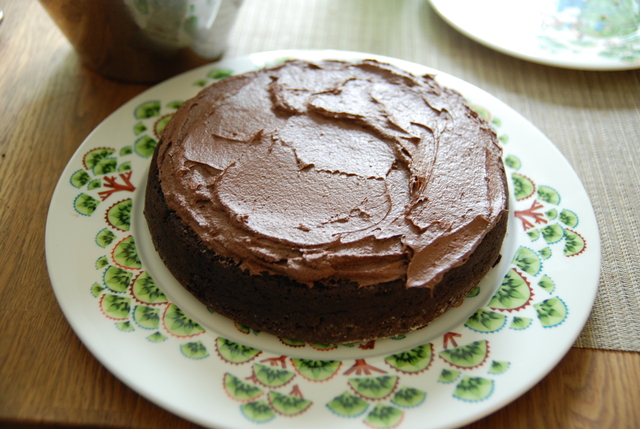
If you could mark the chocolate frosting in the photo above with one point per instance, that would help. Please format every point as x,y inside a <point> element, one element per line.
<point>334,171</point>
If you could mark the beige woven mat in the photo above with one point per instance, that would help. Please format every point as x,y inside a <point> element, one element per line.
<point>593,117</point>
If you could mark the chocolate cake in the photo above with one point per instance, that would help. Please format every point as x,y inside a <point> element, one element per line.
<point>328,202</point>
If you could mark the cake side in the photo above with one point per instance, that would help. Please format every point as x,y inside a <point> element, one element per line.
<point>325,313</point>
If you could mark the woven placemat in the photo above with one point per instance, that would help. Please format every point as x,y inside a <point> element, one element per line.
<point>593,117</point>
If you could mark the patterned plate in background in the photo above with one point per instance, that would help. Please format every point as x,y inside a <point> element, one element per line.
<point>574,34</point>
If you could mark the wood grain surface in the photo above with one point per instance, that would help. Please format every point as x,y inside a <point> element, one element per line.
<point>49,104</point>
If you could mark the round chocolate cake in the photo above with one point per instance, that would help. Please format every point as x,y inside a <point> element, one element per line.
<point>328,202</point>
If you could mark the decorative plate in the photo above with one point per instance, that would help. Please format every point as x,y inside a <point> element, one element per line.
<point>131,314</point>
<point>576,34</point>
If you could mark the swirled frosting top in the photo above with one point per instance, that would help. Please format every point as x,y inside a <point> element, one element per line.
<point>334,171</point>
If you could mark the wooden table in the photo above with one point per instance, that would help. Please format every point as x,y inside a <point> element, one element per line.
<point>49,104</point>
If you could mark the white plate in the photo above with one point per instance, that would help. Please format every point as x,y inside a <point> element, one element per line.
<point>575,34</point>
<point>457,370</point>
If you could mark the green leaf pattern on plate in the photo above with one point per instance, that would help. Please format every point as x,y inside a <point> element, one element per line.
<point>288,405</point>
<point>486,321</point>
<point>409,397</point>
<point>374,388</point>
<point>474,389</point>
<point>179,324</point>
<point>272,377</point>
<point>448,375</point>
<point>348,405</point>
<point>147,317</point>
<point>412,361</point>
<point>194,350</point>
<point>117,279</point>
<point>513,293</point>
<point>235,353</point>
<point>258,411</point>
<point>498,367</point>
<point>119,215</point>
<point>125,254</point>
<point>384,417</point>
<point>144,289</point>
<point>316,370</point>
<point>239,390</point>
<point>520,323</point>
<point>468,356</point>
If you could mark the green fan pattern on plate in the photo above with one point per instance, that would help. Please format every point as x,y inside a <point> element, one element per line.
<point>384,416</point>
<point>288,405</point>
<point>239,390</point>
<point>487,321</point>
<point>194,350</point>
<point>412,361</point>
<point>409,397</point>
<point>474,389</point>
<point>147,317</point>
<point>272,377</point>
<point>513,293</point>
<point>119,215</point>
<point>348,405</point>
<point>468,356</point>
<point>316,370</point>
<point>258,411</point>
<point>374,388</point>
<point>448,375</point>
